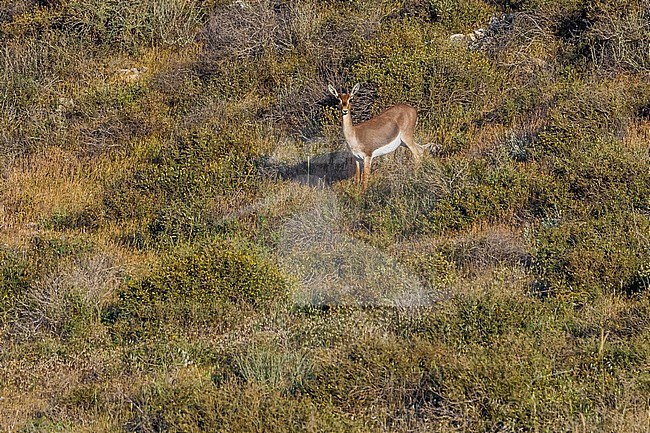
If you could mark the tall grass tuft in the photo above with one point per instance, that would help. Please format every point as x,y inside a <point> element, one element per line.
<point>69,301</point>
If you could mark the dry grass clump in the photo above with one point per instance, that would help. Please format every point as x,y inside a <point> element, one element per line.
<point>525,41</point>
<point>130,27</point>
<point>266,365</point>
<point>246,30</point>
<point>601,36</point>
<point>52,189</point>
<point>26,71</point>
<point>70,299</point>
<point>617,37</point>
<point>475,252</point>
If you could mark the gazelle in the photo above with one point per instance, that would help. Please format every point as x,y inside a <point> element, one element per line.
<point>378,136</point>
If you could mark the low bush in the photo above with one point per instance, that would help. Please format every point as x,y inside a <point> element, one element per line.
<point>400,200</point>
<point>460,17</point>
<point>207,275</point>
<point>587,256</point>
<point>395,384</point>
<point>335,269</point>
<point>495,246</point>
<point>16,275</point>
<point>194,403</point>
<point>593,208</point>
<point>451,196</point>
<point>616,37</point>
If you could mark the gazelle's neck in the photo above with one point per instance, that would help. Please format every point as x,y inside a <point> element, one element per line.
<point>348,128</point>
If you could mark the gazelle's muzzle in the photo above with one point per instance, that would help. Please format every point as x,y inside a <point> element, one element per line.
<point>345,112</point>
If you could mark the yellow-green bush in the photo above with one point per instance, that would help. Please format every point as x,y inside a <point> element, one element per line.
<point>461,17</point>
<point>196,404</point>
<point>207,286</point>
<point>209,273</point>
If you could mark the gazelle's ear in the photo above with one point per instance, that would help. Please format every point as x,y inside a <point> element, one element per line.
<point>332,90</point>
<point>355,89</point>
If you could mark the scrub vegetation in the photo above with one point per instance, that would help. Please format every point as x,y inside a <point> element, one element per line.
<point>183,246</point>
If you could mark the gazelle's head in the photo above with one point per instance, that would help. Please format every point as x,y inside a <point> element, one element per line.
<point>344,98</point>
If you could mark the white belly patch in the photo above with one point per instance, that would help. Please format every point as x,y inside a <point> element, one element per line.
<point>388,148</point>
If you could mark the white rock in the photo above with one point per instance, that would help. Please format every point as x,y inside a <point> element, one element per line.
<point>457,38</point>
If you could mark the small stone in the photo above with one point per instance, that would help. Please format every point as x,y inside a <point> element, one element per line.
<point>457,38</point>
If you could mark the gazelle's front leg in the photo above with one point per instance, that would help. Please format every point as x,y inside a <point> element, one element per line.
<point>357,176</point>
<point>367,161</point>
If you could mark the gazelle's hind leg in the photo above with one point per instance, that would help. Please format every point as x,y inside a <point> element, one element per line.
<point>407,138</point>
<point>415,148</point>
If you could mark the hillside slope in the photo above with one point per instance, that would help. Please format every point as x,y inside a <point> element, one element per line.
<point>183,246</point>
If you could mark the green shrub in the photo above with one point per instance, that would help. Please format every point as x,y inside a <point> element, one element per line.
<point>86,218</point>
<point>110,119</point>
<point>594,255</point>
<point>487,319</point>
<point>210,286</point>
<point>431,265</point>
<point>461,17</point>
<point>593,207</point>
<point>401,198</point>
<point>505,361</point>
<point>489,192</point>
<point>214,272</point>
<point>451,196</point>
<point>194,403</point>
<point>16,275</point>
<point>47,251</point>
